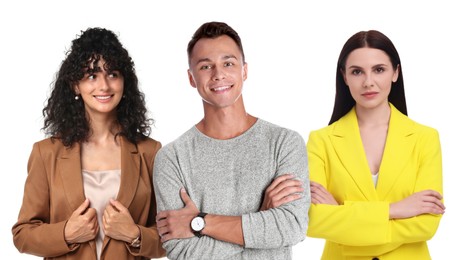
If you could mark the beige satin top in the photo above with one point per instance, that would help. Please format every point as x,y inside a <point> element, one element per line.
<point>99,187</point>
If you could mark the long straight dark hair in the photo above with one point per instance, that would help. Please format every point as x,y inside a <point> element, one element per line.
<point>344,101</point>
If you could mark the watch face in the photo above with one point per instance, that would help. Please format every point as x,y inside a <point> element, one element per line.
<point>197,224</point>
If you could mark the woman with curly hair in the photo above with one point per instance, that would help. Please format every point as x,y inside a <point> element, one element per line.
<point>89,193</point>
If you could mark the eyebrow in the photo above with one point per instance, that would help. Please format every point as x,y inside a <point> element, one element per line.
<point>374,66</point>
<point>225,57</point>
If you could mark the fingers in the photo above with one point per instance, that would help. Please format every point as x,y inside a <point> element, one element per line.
<point>161,215</point>
<point>161,223</point>
<point>189,209</point>
<point>433,193</point>
<point>283,186</point>
<point>117,205</point>
<point>423,202</point>
<point>432,197</point>
<point>317,197</point>
<point>279,180</point>
<point>283,189</point>
<point>433,201</point>
<point>111,208</point>
<point>95,228</point>
<point>90,214</point>
<point>163,230</point>
<point>437,202</point>
<point>81,209</point>
<point>320,195</point>
<point>185,198</point>
<point>166,237</point>
<point>288,194</point>
<point>432,208</point>
<point>318,190</point>
<point>316,186</point>
<point>289,198</point>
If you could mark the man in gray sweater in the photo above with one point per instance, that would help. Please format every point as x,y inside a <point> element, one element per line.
<point>233,186</point>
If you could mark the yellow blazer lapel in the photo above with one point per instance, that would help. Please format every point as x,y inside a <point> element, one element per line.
<point>70,170</point>
<point>350,152</point>
<point>399,146</point>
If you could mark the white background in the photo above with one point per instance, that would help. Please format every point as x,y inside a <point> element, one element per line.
<point>291,48</point>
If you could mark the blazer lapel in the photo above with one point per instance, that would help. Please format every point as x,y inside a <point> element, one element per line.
<point>130,175</point>
<point>70,170</point>
<point>399,146</point>
<point>130,172</point>
<point>349,149</point>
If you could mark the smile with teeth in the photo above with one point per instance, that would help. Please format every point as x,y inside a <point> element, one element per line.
<point>103,97</point>
<point>222,88</point>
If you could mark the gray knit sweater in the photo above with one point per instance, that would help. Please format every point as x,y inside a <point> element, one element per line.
<point>229,177</point>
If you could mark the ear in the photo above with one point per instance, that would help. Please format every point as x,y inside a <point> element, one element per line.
<point>76,89</point>
<point>245,71</point>
<point>344,76</point>
<point>395,77</point>
<point>191,78</point>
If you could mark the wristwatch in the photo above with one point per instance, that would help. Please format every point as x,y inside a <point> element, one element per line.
<point>198,223</point>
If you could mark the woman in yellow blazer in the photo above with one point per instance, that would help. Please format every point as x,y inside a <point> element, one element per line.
<point>376,175</point>
<point>89,193</point>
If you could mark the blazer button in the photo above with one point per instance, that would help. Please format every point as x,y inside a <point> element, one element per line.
<point>375,258</point>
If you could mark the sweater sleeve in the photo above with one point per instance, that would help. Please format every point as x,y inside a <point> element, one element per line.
<point>167,183</point>
<point>286,225</point>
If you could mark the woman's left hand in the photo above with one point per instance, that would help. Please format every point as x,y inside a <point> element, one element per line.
<point>118,223</point>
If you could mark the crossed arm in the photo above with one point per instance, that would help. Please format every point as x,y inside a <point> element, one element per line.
<point>422,202</point>
<point>176,223</point>
<point>396,220</point>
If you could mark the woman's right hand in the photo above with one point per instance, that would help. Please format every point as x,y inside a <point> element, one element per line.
<point>423,202</point>
<point>320,195</point>
<point>283,189</point>
<point>82,226</point>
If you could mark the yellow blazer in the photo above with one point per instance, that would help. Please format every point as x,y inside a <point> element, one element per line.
<point>54,189</point>
<point>359,228</point>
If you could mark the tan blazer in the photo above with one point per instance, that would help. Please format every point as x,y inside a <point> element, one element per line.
<point>54,189</point>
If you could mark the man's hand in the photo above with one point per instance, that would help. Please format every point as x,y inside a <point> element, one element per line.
<point>176,223</point>
<point>282,190</point>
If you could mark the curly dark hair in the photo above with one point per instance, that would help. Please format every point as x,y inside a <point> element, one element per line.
<point>65,117</point>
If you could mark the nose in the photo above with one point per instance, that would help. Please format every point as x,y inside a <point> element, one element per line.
<point>104,83</point>
<point>368,80</point>
<point>218,73</point>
